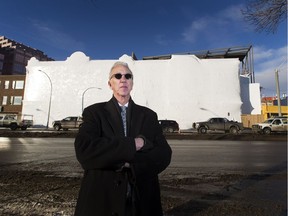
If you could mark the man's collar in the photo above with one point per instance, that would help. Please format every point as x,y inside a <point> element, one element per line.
<point>126,105</point>
<point>116,102</point>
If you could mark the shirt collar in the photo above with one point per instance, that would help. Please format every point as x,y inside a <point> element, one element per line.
<point>126,105</point>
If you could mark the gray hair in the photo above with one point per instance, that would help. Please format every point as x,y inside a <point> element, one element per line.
<point>124,64</point>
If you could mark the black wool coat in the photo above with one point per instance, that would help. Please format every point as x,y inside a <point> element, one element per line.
<point>101,149</point>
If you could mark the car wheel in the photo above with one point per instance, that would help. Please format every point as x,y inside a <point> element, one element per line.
<point>266,131</point>
<point>23,127</point>
<point>13,126</point>
<point>202,130</point>
<point>170,130</point>
<point>233,130</point>
<point>57,127</point>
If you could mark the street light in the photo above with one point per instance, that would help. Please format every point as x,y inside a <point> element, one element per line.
<point>84,94</point>
<point>47,126</point>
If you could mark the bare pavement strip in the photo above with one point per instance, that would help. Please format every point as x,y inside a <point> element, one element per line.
<point>27,190</point>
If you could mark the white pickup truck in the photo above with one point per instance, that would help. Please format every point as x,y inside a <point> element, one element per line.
<point>14,121</point>
<point>277,124</point>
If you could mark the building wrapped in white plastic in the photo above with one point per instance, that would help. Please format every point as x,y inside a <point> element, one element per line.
<point>183,88</point>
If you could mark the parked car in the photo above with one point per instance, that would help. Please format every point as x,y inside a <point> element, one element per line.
<point>277,124</point>
<point>14,121</point>
<point>71,122</point>
<point>218,124</point>
<point>169,126</point>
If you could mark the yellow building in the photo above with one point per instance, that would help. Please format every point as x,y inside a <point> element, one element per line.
<point>270,111</point>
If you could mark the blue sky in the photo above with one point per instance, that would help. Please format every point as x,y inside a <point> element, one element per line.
<point>107,29</point>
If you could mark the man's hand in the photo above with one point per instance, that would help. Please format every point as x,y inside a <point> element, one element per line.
<point>139,143</point>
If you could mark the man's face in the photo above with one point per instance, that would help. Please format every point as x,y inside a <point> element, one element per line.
<point>123,86</point>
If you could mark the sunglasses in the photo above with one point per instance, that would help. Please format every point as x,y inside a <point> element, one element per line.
<point>119,76</point>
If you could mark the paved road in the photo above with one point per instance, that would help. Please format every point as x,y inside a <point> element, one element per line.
<point>248,156</point>
<point>205,177</point>
<point>226,155</point>
<point>19,150</point>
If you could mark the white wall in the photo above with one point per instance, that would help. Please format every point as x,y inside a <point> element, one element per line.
<point>183,88</point>
<point>251,95</point>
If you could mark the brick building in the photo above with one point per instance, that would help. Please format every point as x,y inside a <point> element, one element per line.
<point>14,56</point>
<point>11,93</point>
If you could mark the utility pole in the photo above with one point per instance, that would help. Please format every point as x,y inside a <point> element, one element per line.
<point>278,92</point>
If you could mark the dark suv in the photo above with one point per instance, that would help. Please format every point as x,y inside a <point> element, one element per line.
<point>169,126</point>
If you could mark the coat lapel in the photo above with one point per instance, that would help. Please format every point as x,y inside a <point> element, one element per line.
<point>137,118</point>
<point>115,121</point>
<point>114,118</point>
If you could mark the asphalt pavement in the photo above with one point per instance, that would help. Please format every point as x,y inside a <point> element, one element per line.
<point>215,174</point>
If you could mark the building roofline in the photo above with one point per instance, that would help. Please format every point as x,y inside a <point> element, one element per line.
<point>239,52</point>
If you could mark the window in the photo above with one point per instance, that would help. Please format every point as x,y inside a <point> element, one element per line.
<point>19,68</point>
<point>4,100</point>
<point>18,84</point>
<point>221,120</point>
<point>10,117</point>
<point>1,61</point>
<point>16,100</point>
<point>6,84</point>
<point>19,57</point>
<point>277,122</point>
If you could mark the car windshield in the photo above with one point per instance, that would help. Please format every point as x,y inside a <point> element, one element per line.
<point>268,121</point>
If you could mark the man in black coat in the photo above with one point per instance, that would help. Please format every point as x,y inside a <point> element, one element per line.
<point>121,158</point>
